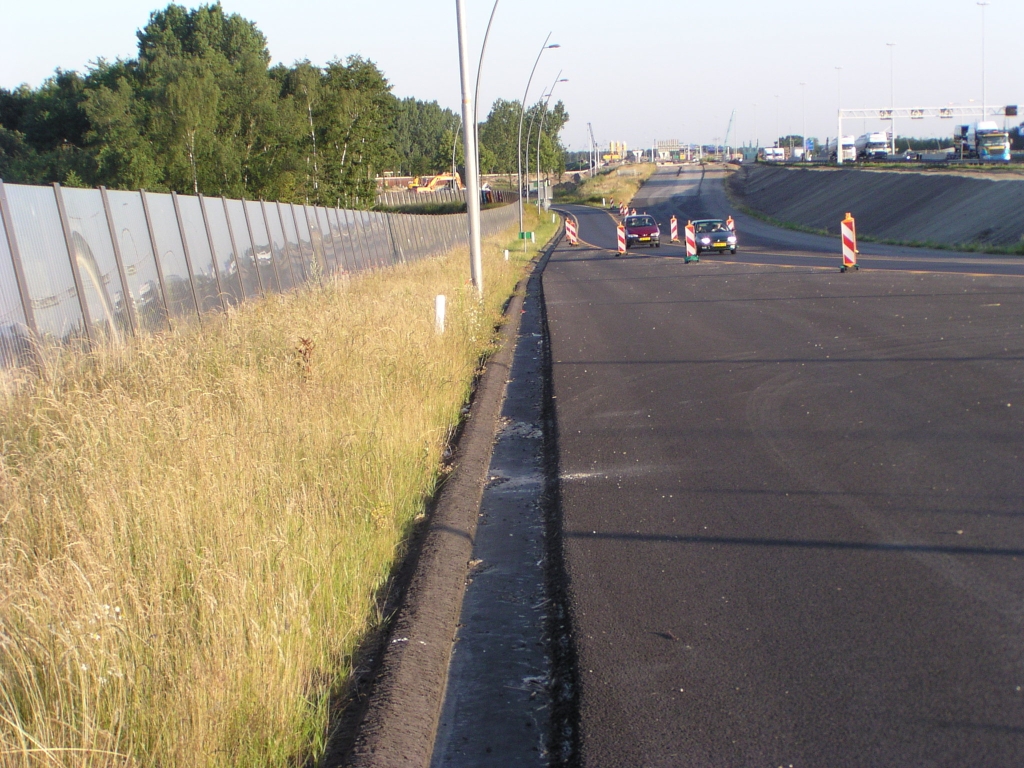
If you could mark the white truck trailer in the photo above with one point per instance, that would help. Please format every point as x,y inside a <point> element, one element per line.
<point>873,146</point>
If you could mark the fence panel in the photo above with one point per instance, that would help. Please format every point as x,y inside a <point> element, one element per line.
<point>262,254</point>
<point>224,250</point>
<point>15,347</point>
<point>170,250</point>
<point>244,251</point>
<point>81,264</point>
<point>205,279</point>
<point>106,297</point>
<point>278,248</point>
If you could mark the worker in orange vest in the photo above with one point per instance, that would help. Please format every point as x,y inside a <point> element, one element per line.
<point>730,224</point>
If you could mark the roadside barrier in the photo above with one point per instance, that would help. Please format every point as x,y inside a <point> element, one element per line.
<point>674,227</point>
<point>622,240</point>
<point>570,230</point>
<point>623,210</point>
<point>849,229</point>
<point>97,266</point>
<point>691,243</point>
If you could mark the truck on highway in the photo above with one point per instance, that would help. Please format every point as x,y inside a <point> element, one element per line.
<point>828,151</point>
<point>872,146</point>
<point>984,141</point>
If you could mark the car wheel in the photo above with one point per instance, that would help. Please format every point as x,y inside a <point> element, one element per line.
<point>734,251</point>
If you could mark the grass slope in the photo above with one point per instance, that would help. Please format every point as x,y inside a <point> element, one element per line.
<point>195,529</point>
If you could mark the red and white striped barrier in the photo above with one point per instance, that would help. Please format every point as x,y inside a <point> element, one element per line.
<point>849,229</point>
<point>570,231</point>
<point>691,243</point>
<point>623,210</point>
<point>674,227</point>
<point>622,240</point>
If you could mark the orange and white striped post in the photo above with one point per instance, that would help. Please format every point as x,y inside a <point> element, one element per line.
<point>570,231</point>
<point>691,243</point>
<point>674,227</point>
<point>622,241</point>
<point>848,227</point>
<point>623,210</point>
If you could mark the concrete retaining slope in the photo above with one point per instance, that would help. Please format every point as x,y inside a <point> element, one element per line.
<point>899,205</point>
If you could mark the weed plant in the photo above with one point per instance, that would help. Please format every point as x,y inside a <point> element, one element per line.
<point>196,529</point>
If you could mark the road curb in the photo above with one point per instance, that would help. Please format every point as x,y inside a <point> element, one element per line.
<point>401,719</point>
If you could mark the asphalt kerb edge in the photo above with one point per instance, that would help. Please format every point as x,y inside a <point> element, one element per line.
<point>404,709</point>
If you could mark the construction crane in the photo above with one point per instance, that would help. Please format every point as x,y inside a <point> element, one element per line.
<point>728,130</point>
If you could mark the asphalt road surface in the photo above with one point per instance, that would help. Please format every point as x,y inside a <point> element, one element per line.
<point>792,499</point>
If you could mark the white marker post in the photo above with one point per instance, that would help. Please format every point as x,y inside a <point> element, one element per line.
<point>439,308</point>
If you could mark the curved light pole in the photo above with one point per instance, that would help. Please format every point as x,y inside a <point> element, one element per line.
<point>984,96</point>
<point>839,113</point>
<point>892,98</point>
<point>540,129</point>
<point>476,92</point>
<point>522,113</point>
<point>469,146</point>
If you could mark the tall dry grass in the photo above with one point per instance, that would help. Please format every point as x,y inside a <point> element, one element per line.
<point>619,185</point>
<point>193,530</point>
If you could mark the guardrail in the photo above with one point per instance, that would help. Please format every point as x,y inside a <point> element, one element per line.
<point>86,266</point>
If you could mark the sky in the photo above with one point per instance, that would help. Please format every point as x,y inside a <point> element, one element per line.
<point>637,71</point>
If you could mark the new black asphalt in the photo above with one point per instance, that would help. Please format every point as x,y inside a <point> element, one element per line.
<point>792,499</point>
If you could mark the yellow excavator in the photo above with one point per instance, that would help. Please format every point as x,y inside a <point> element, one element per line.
<point>434,183</point>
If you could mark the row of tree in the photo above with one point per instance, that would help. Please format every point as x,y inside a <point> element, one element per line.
<point>200,110</point>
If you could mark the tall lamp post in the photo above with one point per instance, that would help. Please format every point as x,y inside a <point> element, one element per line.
<point>803,118</point>
<point>892,99</point>
<point>984,95</point>
<point>839,115</point>
<point>778,135</point>
<point>469,149</point>
<point>540,129</point>
<point>522,113</point>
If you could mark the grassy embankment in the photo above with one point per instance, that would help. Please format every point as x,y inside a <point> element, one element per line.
<point>619,184</point>
<point>195,530</point>
<point>1017,249</point>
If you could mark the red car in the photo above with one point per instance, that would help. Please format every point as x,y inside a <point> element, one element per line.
<point>642,229</point>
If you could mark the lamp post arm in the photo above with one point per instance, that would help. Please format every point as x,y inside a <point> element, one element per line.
<point>476,91</point>
<point>519,144</point>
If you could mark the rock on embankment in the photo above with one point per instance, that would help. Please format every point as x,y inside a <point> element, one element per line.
<point>898,205</point>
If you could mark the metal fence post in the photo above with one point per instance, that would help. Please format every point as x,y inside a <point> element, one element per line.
<point>188,255</point>
<point>252,241</point>
<point>298,241</point>
<point>19,268</point>
<point>129,301</point>
<point>287,248</point>
<point>76,274</point>
<point>213,254</point>
<point>156,259</point>
<point>234,247</point>
<point>270,244</point>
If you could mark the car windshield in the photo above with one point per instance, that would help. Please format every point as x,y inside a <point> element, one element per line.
<point>640,221</point>
<point>711,226</point>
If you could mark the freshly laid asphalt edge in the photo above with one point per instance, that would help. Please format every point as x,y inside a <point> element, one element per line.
<point>402,716</point>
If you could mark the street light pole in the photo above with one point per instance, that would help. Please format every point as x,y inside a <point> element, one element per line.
<point>839,114</point>
<point>476,91</point>
<point>984,101</point>
<point>522,113</point>
<point>540,129</point>
<point>469,149</point>
<point>892,99</point>
<point>778,136</point>
<point>803,117</point>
